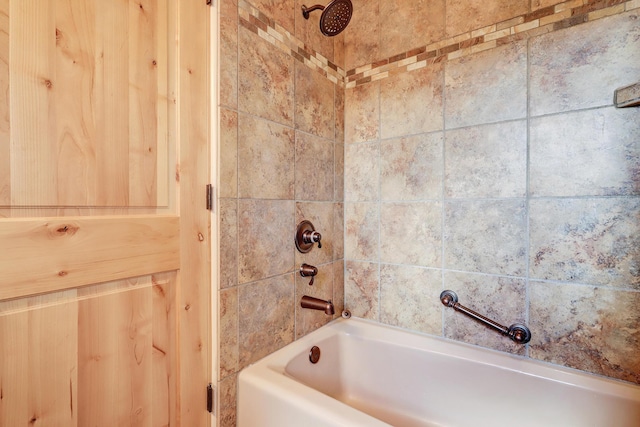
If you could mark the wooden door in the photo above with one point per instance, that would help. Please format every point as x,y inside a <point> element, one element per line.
<point>105,249</point>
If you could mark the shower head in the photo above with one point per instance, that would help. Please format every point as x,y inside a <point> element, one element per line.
<point>335,16</point>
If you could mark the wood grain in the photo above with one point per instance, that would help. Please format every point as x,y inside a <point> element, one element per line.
<point>48,254</point>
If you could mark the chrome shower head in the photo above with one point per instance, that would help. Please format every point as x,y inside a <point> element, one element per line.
<point>335,16</point>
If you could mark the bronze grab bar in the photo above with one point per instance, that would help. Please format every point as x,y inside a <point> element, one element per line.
<point>517,332</point>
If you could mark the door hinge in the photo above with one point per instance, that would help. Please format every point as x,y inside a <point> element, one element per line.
<point>210,398</point>
<point>210,195</point>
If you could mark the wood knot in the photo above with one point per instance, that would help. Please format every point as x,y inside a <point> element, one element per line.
<point>48,83</point>
<point>62,273</point>
<point>200,237</point>
<point>187,307</point>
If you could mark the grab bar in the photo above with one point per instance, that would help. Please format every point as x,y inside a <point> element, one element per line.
<point>517,332</point>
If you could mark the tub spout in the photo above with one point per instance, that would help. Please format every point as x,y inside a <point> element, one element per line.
<point>317,304</point>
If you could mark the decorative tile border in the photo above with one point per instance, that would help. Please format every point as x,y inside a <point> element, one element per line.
<point>541,21</point>
<point>257,22</point>
<point>545,20</point>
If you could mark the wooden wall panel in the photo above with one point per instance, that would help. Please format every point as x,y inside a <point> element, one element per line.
<point>33,149</point>
<point>48,254</point>
<point>5,131</point>
<point>38,363</point>
<point>88,86</point>
<point>115,359</point>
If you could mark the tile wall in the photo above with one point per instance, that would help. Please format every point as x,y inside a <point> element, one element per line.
<point>434,147</point>
<point>281,147</point>
<point>503,173</point>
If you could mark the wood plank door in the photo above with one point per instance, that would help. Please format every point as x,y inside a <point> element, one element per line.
<point>105,252</point>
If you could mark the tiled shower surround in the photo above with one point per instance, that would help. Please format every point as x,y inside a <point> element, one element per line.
<point>435,144</point>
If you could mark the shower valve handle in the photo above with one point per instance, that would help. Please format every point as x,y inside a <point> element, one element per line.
<point>312,237</point>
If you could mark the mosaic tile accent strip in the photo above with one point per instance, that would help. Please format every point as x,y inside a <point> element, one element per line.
<point>266,28</point>
<point>541,21</point>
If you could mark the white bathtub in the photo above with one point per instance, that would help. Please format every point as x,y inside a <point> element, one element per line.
<point>372,375</point>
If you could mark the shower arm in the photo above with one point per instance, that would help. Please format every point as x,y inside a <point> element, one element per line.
<point>306,10</point>
<point>517,332</point>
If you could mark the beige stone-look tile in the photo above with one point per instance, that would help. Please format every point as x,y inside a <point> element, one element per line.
<point>321,216</point>
<point>586,153</point>
<point>581,66</point>
<point>539,4</point>
<point>228,153</point>
<point>487,161</point>
<point>501,299</point>
<point>314,168</point>
<point>589,241</point>
<point>227,397</point>
<point>361,44</point>
<point>589,328</point>
<point>486,236</point>
<point>308,320</point>
<point>409,298</point>
<point>266,79</point>
<point>265,238</point>
<point>339,98</point>
<point>411,103</point>
<point>338,231</point>
<point>308,31</point>
<point>411,167</point>
<point>228,243</point>
<point>362,289</point>
<point>228,57</point>
<point>283,12</point>
<point>338,177</point>
<point>490,86</point>
<point>338,50</point>
<point>411,233</point>
<point>266,154</point>
<point>361,231</point>
<point>314,102</point>
<point>362,172</point>
<point>267,319</point>
<point>338,286</point>
<point>362,113</point>
<point>407,24</point>
<point>473,14</point>
<point>228,332</point>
